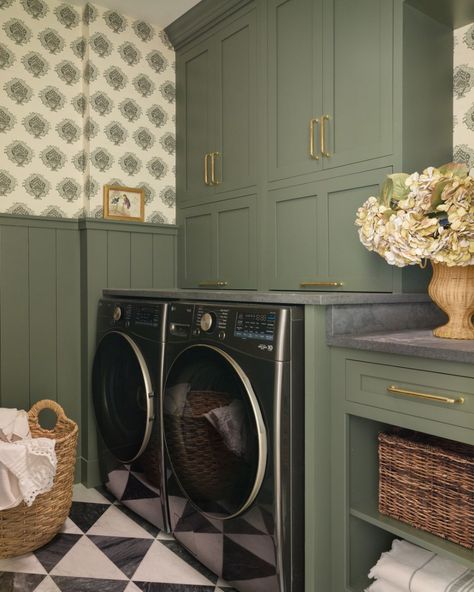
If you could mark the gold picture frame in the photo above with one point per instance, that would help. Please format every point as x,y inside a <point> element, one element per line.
<point>124,203</point>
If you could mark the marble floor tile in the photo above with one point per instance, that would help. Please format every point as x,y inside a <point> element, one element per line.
<point>71,584</point>
<point>125,553</point>
<point>22,564</point>
<point>19,582</point>
<point>115,522</point>
<point>90,495</point>
<point>55,550</point>
<point>85,515</point>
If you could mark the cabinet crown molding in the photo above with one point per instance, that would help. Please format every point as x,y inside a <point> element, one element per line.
<point>199,19</point>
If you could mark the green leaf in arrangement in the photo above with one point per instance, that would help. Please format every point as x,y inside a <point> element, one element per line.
<point>436,199</point>
<point>457,169</point>
<point>394,188</point>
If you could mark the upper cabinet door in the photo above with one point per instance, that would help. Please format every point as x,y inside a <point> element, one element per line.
<point>195,122</point>
<point>236,94</point>
<point>357,81</point>
<point>294,87</point>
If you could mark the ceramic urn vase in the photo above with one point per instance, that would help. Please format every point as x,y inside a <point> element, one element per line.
<point>452,289</point>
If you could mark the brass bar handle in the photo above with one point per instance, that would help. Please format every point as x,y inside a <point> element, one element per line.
<point>218,284</point>
<point>206,169</point>
<point>214,181</point>
<point>321,284</point>
<point>322,136</point>
<point>438,398</point>
<point>312,124</point>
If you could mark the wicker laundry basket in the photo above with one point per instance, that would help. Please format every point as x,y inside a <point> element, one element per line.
<point>428,482</point>
<point>206,468</point>
<point>23,528</point>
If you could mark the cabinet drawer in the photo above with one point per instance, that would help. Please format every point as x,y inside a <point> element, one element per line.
<point>429,395</point>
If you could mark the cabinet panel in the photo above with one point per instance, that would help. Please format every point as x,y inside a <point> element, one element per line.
<point>294,91</point>
<point>297,238</point>
<point>349,261</point>
<point>236,109</point>
<point>194,121</point>
<point>358,80</point>
<point>236,245</point>
<point>197,249</point>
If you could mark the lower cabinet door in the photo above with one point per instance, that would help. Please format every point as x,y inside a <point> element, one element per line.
<point>218,247</point>
<point>313,240</point>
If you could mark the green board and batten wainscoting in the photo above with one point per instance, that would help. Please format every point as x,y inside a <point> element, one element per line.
<point>53,272</point>
<point>292,112</point>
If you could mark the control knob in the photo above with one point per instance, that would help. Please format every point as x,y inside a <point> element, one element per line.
<point>117,314</point>
<point>208,320</point>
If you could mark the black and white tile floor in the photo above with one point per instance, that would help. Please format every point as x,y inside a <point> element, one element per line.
<point>105,547</point>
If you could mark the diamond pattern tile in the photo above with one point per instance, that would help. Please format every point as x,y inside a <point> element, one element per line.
<point>105,546</point>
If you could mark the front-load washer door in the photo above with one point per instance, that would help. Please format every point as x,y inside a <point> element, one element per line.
<point>123,396</point>
<point>214,431</point>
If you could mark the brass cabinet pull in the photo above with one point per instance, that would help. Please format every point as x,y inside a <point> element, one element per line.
<point>214,181</point>
<point>206,168</point>
<point>438,398</point>
<point>218,284</point>
<point>322,136</point>
<point>312,124</point>
<point>321,284</point>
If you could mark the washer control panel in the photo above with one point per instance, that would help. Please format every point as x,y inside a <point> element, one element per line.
<point>255,325</point>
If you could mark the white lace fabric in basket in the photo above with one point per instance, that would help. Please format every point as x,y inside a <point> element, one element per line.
<point>27,465</point>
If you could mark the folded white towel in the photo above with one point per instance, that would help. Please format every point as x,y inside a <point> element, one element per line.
<point>13,425</point>
<point>27,465</point>
<point>383,586</point>
<point>414,569</point>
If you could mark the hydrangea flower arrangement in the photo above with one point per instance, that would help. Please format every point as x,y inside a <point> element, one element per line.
<point>422,216</point>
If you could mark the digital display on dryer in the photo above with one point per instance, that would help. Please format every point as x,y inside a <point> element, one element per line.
<point>255,325</point>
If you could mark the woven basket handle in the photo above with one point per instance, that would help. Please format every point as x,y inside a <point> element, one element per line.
<point>36,409</point>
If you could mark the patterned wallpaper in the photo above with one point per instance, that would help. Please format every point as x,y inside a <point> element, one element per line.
<point>88,99</point>
<point>463,138</point>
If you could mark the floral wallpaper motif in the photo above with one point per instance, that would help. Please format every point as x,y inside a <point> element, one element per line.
<point>88,98</point>
<point>463,139</point>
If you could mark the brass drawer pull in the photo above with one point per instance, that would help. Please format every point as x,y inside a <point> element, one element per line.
<point>214,181</point>
<point>321,284</point>
<point>312,124</point>
<point>206,168</point>
<point>218,284</point>
<point>438,398</point>
<point>322,136</point>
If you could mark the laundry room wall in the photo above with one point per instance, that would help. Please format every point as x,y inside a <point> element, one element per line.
<point>89,100</point>
<point>463,136</point>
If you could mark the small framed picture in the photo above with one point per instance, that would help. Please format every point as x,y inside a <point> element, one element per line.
<point>124,203</point>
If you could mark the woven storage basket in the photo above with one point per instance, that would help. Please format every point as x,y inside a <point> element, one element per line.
<point>23,528</point>
<point>207,469</point>
<point>428,483</point>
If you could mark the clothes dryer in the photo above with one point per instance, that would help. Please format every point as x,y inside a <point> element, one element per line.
<point>126,391</point>
<point>233,425</point>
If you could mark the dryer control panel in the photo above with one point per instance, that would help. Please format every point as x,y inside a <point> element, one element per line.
<point>147,318</point>
<point>253,329</point>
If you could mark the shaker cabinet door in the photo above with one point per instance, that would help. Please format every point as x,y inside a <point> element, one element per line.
<point>236,105</point>
<point>294,86</point>
<point>357,81</point>
<point>195,121</point>
<point>196,247</point>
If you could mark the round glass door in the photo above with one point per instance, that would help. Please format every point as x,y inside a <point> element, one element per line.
<point>214,431</point>
<point>120,388</point>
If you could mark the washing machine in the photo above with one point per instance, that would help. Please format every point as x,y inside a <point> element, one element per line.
<point>233,425</point>
<point>126,390</point>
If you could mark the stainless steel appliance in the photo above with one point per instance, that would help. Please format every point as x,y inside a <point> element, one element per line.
<point>126,388</point>
<point>233,427</point>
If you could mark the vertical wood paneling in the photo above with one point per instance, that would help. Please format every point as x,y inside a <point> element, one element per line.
<point>94,275</point>
<point>14,299</point>
<point>141,268</point>
<point>118,260</point>
<point>164,261</point>
<point>43,337</point>
<point>68,323</point>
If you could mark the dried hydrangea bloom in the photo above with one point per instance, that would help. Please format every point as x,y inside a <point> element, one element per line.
<point>371,219</point>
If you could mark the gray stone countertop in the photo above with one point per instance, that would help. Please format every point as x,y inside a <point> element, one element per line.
<point>414,342</point>
<point>316,298</point>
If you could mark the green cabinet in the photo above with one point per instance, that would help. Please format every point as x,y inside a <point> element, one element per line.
<point>307,104</point>
<point>216,113</point>
<point>218,245</point>
<point>312,240</point>
<point>330,85</point>
<point>369,395</point>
